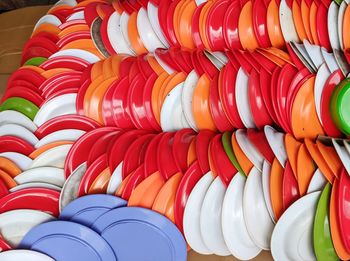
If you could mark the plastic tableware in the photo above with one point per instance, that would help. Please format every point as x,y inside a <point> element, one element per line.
<point>187,183</point>
<point>14,117</point>
<point>241,92</point>
<point>35,185</point>
<point>226,143</point>
<point>28,76</point>
<point>14,144</point>
<point>25,93</point>
<point>329,60</point>
<point>319,160</point>
<point>41,199</point>
<point>60,135</point>
<point>242,159</point>
<point>182,148</point>
<point>265,177</point>
<point>18,131</point>
<point>53,157</point>
<point>338,105</point>
<point>210,219</point>
<point>66,62</point>
<point>171,115</point>
<point>234,228</point>
<point>152,11</point>
<point>214,26</point>
<point>219,162</point>
<point>341,14</point>
<point>259,111</point>
<point>202,147</point>
<point>321,78</point>
<point>273,25</point>
<point>323,245</point>
<point>82,54</point>
<point>137,103</point>
<point>71,186</point>
<point>334,224</point>
<point>165,199</point>
<point>20,254</point>
<point>332,25</point>
<point>16,223</point>
<point>61,105</point>
<point>200,104</point>
<point>36,61</point>
<point>21,160</point>
<point>230,26</point>
<point>165,157</point>
<point>102,145</point>
<point>292,148</point>
<point>305,169</point>
<point>259,23</point>
<point>276,188</point>
<point>9,167</point>
<point>287,24</point>
<point>141,225</point>
<point>49,18</point>
<point>290,189</point>
<point>192,213</point>
<point>115,180</point>
<point>186,98</point>
<point>147,35</point>
<point>245,27</point>
<point>135,155</point>
<point>296,222</point>
<point>330,156</point>
<point>342,152</point>
<point>276,142</point>
<point>94,169</point>
<point>146,192</point>
<point>121,112</point>
<point>326,116</point>
<point>120,146</point>
<point>77,122</point>
<point>253,206</point>
<point>80,240</point>
<point>249,150</point>
<point>134,36</point>
<point>51,175</point>
<point>300,56</point>
<point>342,61</point>
<point>342,199</point>
<point>260,142</point>
<point>115,35</point>
<point>216,107</point>
<point>317,183</point>
<point>304,111</point>
<point>75,157</point>
<point>87,209</point>
<point>21,105</point>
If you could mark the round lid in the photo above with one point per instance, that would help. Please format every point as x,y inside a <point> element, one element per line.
<point>141,234</point>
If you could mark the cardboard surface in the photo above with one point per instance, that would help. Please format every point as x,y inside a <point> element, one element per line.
<point>15,29</point>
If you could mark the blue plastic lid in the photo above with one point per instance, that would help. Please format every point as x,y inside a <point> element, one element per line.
<point>68,241</point>
<point>85,210</point>
<point>141,234</point>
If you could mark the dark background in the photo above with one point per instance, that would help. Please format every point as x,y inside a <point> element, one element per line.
<point>6,5</point>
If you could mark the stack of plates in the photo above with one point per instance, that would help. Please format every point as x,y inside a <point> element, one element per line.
<point>219,124</point>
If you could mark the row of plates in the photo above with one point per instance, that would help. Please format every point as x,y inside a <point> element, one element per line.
<point>173,89</point>
<point>143,26</point>
<point>177,167</point>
